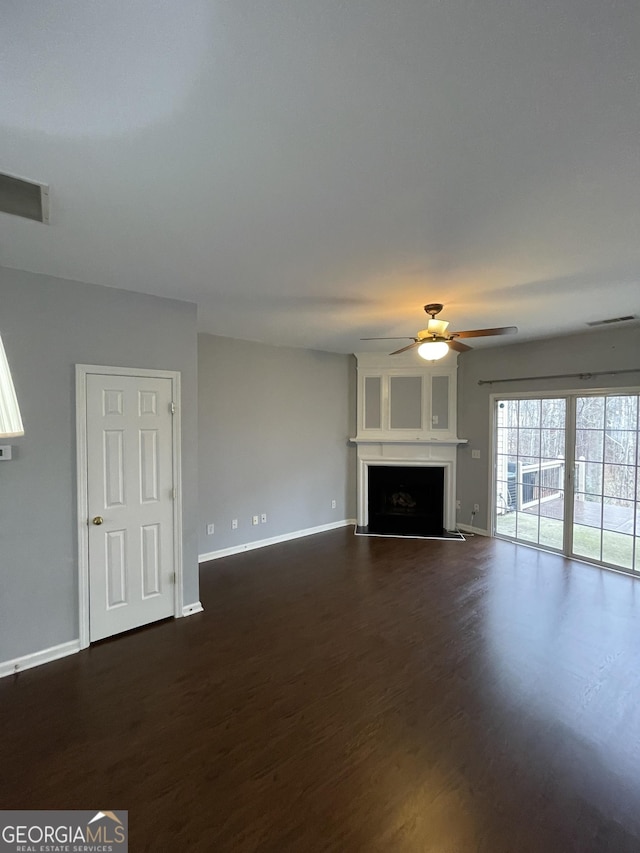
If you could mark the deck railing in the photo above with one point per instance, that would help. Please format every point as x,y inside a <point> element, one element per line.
<point>535,483</point>
<point>539,482</point>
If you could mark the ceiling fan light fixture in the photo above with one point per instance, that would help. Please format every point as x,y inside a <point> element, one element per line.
<point>435,341</point>
<point>433,350</point>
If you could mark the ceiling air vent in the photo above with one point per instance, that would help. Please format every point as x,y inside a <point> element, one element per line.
<point>612,320</point>
<point>24,198</point>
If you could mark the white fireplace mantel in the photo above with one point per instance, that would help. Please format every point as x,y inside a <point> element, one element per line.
<point>393,440</point>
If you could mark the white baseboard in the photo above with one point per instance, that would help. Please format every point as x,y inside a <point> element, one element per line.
<point>190,609</point>
<point>478,531</point>
<point>274,540</point>
<point>11,667</point>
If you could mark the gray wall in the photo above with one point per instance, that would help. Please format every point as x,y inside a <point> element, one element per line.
<point>48,325</point>
<point>273,429</point>
<point>611,349</point>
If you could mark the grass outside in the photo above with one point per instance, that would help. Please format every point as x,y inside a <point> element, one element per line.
<point>617,548</point>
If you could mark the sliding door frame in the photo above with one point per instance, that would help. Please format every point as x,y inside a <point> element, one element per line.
<point>570,396</point>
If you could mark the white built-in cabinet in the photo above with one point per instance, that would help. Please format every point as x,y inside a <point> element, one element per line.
<point>405,401</point>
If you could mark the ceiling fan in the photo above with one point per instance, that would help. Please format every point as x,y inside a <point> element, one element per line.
<point>434,342</point>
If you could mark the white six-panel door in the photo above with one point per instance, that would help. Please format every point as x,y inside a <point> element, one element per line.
<point>130,494</point>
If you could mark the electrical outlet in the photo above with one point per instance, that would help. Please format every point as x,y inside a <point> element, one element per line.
<point>255,520</point>
<point>263,518</point>
<point>475,454</point>
<point>457,504</point>
<point>210,529</point>
<point>234,524</point>
<point>333,504</point>
<point>476,507</point>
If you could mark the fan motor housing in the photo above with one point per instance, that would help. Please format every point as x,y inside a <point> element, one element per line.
<point>433,308</point>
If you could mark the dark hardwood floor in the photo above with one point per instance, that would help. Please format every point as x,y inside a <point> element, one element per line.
<point>345,693</point>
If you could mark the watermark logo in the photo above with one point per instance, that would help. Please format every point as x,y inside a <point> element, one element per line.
<point>75,831</point>
<point>111,815</point>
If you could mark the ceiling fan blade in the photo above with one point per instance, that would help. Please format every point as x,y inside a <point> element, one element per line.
<point>456,345</point>
<point>483,333</point>
<point>404,349</point>
<point>397,338</point>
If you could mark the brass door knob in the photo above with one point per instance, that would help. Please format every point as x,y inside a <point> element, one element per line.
<point>98,519</point>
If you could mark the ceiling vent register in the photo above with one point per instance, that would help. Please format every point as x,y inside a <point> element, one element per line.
<point>612,320</point>
<point>24,198</point>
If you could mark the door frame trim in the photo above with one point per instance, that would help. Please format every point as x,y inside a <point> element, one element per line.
<point>82,371</point>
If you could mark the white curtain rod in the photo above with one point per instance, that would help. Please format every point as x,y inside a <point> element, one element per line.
<point>588,375</point>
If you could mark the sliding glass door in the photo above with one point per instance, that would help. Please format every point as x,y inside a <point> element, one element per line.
<point>605,498</point>
<point>599,434</point>
<point>530,469</point>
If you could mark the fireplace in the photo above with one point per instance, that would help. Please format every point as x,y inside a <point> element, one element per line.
<point>406,500</point>
<point>407,445</point>
<point>428,474</point>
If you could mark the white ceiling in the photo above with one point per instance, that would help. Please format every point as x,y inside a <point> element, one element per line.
<point>313,171</point>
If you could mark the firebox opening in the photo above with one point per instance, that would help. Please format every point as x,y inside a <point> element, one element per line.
<point>406,501</point>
